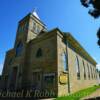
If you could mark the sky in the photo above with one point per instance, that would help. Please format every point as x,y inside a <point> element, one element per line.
<point>67,15</point>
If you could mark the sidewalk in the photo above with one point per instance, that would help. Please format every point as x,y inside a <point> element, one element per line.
<point>48,99</point>
<point>93,95</point>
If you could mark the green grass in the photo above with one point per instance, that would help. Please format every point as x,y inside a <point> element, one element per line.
<point>79,94</point>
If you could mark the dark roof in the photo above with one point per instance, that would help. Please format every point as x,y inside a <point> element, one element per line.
<point>77,46</point>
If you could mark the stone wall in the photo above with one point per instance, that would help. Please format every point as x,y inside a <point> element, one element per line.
<point>73,84</point>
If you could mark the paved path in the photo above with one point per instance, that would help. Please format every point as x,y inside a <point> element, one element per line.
<point>48,99</point>
<point>93,95</point>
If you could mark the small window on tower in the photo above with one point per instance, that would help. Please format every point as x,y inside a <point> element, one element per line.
<point>34,26</point>
<point>19,29</point>
<point>26,25</point>
<point>19,49</point>
<point>38,29</point>
<point>10,61</point>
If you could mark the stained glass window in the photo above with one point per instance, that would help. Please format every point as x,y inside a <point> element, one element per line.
<point>39,52</point>
<point>84,70</point>
<point>88,71</point>
<point>64,61</point>
<point>77,67</point>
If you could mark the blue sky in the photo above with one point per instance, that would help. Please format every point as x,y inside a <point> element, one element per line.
<point>68,15</point>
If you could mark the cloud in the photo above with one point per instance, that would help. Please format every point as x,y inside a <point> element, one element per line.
<point>98,66</point>
<point>1,66</point>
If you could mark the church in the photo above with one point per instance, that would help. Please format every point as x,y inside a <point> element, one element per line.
<point>47,60</point>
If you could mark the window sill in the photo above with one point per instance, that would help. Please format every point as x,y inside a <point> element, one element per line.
<point>66,72</point>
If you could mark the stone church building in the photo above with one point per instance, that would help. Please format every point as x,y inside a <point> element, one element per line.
<point>47,60</point>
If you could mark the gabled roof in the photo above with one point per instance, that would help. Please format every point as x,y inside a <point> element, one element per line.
<point>74,43</point>
<point>77,46</point>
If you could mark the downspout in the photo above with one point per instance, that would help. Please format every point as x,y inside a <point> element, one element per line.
<point>67,66</point>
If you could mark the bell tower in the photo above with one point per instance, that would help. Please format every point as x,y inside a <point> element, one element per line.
<point>29,27</point>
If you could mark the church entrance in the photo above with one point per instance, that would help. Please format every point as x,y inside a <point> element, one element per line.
<point>13,78</point>
<point>37,78</point>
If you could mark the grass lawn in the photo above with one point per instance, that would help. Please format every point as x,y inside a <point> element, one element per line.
<point>79,94</point>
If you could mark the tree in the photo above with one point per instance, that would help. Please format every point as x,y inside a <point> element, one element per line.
<point>94,11</point>
<point>98,35</point>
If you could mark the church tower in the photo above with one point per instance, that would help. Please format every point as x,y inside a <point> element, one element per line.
<point>29,27</point>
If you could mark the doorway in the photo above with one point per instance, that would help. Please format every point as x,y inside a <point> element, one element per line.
<point>13,78</point>
<point>36,80</point>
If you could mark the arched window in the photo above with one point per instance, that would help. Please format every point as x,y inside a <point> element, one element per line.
<point>26,25</point>
<point>88,71</point>
<point>38,29</point>
<point>84,70</point>
<point>77,67</point>
<point>39,53</point>
<point>64,58</point>
<point>20,29</point>
<point>91,72</point>
<point>19,49</point>
<point>34,26</point>
<point>10,61</point>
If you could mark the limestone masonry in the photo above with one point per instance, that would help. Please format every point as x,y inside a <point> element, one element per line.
<point>47,60</point>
